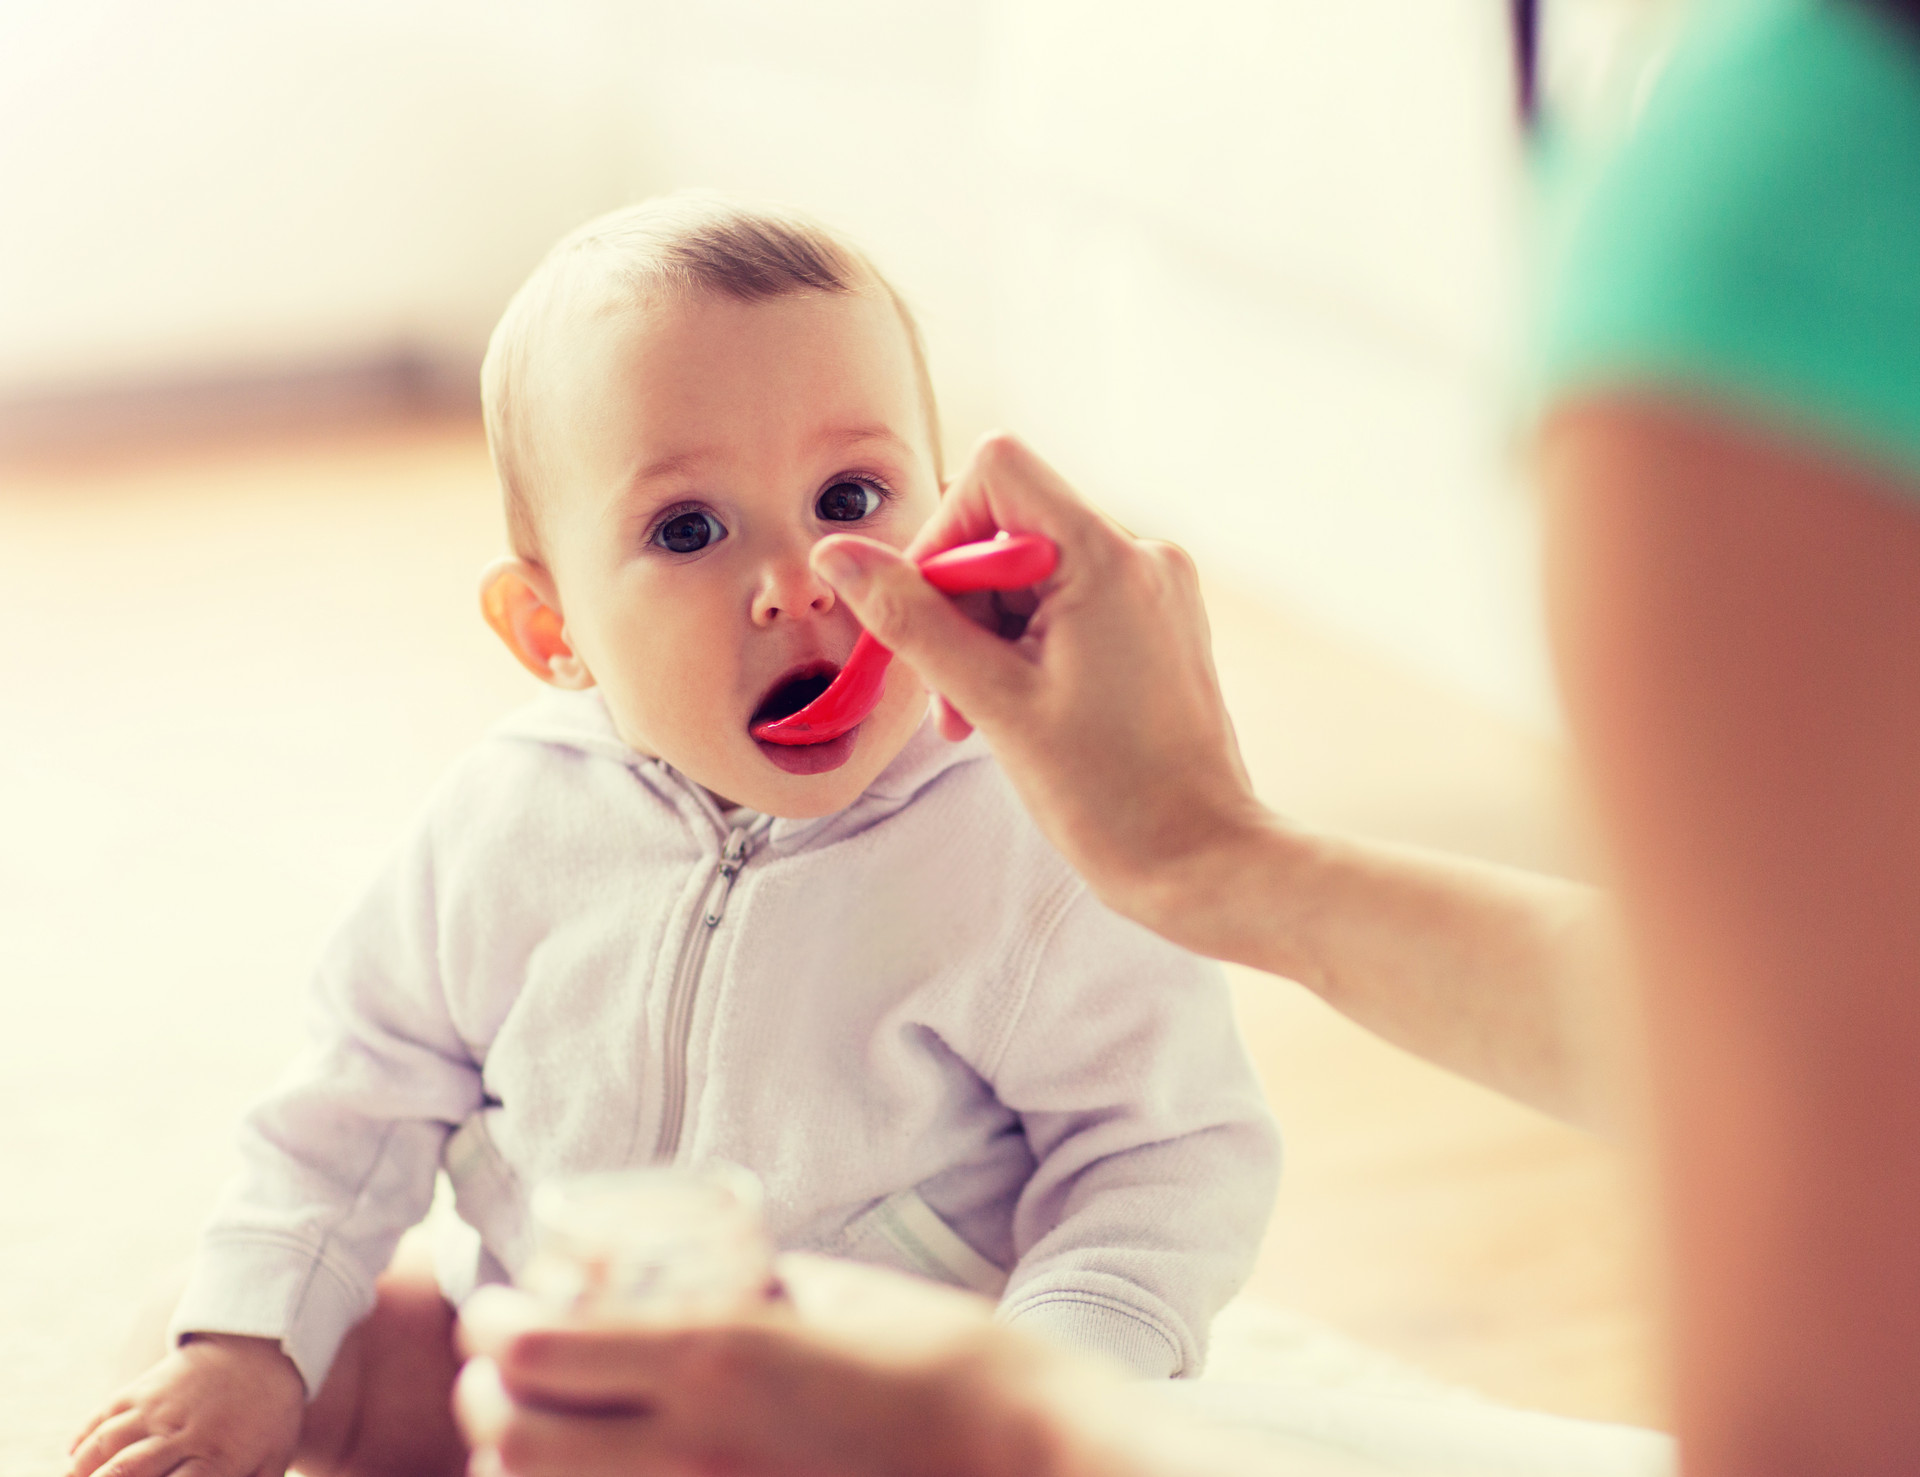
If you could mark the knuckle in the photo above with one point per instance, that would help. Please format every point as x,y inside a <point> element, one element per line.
<point>519,1448</point>
<point>531,1349</point>
<point>889,614</point>
<point>1156,573</point>
<point>123,1464</point>
<point>714,1369</point>
<point>999,448</point>
<point>1172,562</point>
<point>1176,558</point>
<point>1003,457</point>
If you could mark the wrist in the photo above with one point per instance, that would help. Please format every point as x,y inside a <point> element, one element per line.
<point>265,1353</point>
<point>1232,894</point>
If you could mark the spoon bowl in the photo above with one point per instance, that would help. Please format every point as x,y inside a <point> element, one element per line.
<point>1009,562</point>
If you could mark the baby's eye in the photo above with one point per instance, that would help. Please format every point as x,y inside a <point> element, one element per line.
<point>687,533</point>
<point>848,502</point>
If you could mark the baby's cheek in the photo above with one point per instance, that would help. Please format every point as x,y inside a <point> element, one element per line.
<point>667,711</point>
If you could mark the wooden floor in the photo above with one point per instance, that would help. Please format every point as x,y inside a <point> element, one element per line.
<point>231,672</point>
<point>1419,1212</point>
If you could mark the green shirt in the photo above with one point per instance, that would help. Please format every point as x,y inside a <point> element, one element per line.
<point>1756,236</point>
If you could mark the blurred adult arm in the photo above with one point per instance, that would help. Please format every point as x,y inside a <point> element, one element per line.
<point>1737,622</point>
<point>1107,715</point>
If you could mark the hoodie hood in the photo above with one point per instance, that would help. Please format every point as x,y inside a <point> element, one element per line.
<point>579,721</point>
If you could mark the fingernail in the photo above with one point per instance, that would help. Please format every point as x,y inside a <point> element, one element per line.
<point>847,567</point>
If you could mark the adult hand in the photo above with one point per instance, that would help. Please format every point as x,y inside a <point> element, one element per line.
<point>1107,716</point>
<point>863,1371</point>
<point>1106,712</point>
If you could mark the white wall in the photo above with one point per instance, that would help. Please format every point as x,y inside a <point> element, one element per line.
<point>1244,268</point>
<point>206,185</point>
<point>1257,282</point>
<point>871,113</point>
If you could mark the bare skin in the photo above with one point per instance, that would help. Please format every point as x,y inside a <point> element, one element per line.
<point>1737,618</point>
<point>864,1371</point>
<point>731,422</point>
<point>1467,962</point>
<point>1738,623</point>
<point>217,1404</point>
<point>1478,967</point>
<point>223,1404</point>
<point>744,415</point>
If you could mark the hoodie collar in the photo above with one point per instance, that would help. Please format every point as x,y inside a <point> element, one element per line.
<point>579,721</point>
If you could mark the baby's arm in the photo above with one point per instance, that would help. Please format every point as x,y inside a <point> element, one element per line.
<point>1157,1156</point>
<point>217,1406</point>
<point>336,1163</point>
<point>340,1159</point>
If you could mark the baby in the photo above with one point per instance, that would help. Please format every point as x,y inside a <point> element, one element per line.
<point>627,932</point>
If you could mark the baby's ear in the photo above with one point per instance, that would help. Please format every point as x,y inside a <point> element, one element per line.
<point>517,598</point>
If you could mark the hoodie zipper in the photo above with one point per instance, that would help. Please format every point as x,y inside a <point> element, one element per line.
<point>686,982</point>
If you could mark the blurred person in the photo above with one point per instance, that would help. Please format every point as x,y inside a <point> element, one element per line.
<point>1730,450</point>
<point>627,931</point>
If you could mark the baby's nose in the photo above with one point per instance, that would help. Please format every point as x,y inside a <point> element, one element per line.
<point>788,588</point>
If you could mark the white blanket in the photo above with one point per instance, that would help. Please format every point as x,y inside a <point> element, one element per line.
<point>1297,1392</point>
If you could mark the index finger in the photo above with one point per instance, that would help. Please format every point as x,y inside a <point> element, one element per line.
<point>630,1368</point>
<point>537,1357</point>
<point>1005,485</point>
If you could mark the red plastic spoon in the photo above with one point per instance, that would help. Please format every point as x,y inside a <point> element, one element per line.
<point>1010,562</point>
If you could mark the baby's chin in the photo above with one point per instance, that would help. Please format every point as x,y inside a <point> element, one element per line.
<point>801,781</point>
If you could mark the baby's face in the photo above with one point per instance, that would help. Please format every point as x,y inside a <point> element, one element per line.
<point>708,444</point>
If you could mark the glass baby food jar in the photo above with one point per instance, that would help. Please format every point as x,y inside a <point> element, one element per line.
<point>657,1246</point>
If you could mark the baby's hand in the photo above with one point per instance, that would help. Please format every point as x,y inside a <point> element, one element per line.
<point>218,1406</point>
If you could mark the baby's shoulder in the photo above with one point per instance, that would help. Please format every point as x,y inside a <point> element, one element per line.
<point>550,779</point>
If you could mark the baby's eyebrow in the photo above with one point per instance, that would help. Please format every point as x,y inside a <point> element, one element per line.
<point>629,502</point>
<point>681,462</point>
<point>670,466</point>
<point>850,436</point>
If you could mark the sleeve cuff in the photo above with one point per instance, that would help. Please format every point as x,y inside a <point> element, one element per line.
<point>272,1290</point>
<point>1093,1325</point>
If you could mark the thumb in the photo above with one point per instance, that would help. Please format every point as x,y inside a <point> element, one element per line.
<point>974,668</point>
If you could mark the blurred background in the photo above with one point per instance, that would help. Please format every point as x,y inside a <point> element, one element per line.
<point>1248,268</point>
<point>1251,272</point>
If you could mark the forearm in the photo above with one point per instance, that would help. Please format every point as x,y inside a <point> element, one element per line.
<point>1111,725</point>
<point>1486,970</point>
<point>1737,618</point>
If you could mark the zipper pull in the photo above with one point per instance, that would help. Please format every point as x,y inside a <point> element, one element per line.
<point>732,858</point>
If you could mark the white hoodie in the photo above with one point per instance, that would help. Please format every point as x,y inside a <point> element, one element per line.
<point>909,1018</point>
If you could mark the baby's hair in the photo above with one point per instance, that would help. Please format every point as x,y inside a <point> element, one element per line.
<point>676,245</point>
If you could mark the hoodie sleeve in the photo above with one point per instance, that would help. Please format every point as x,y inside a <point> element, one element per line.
<point>340,1158</point>
<point>1157,1156</point>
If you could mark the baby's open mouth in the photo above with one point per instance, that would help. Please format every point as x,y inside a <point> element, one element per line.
<point>794,691</point>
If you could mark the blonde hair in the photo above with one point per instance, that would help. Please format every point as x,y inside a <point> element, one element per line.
<point>676,245</point>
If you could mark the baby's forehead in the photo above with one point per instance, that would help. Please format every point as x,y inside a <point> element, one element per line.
<point>578,323</point>
<point>807,352</point>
